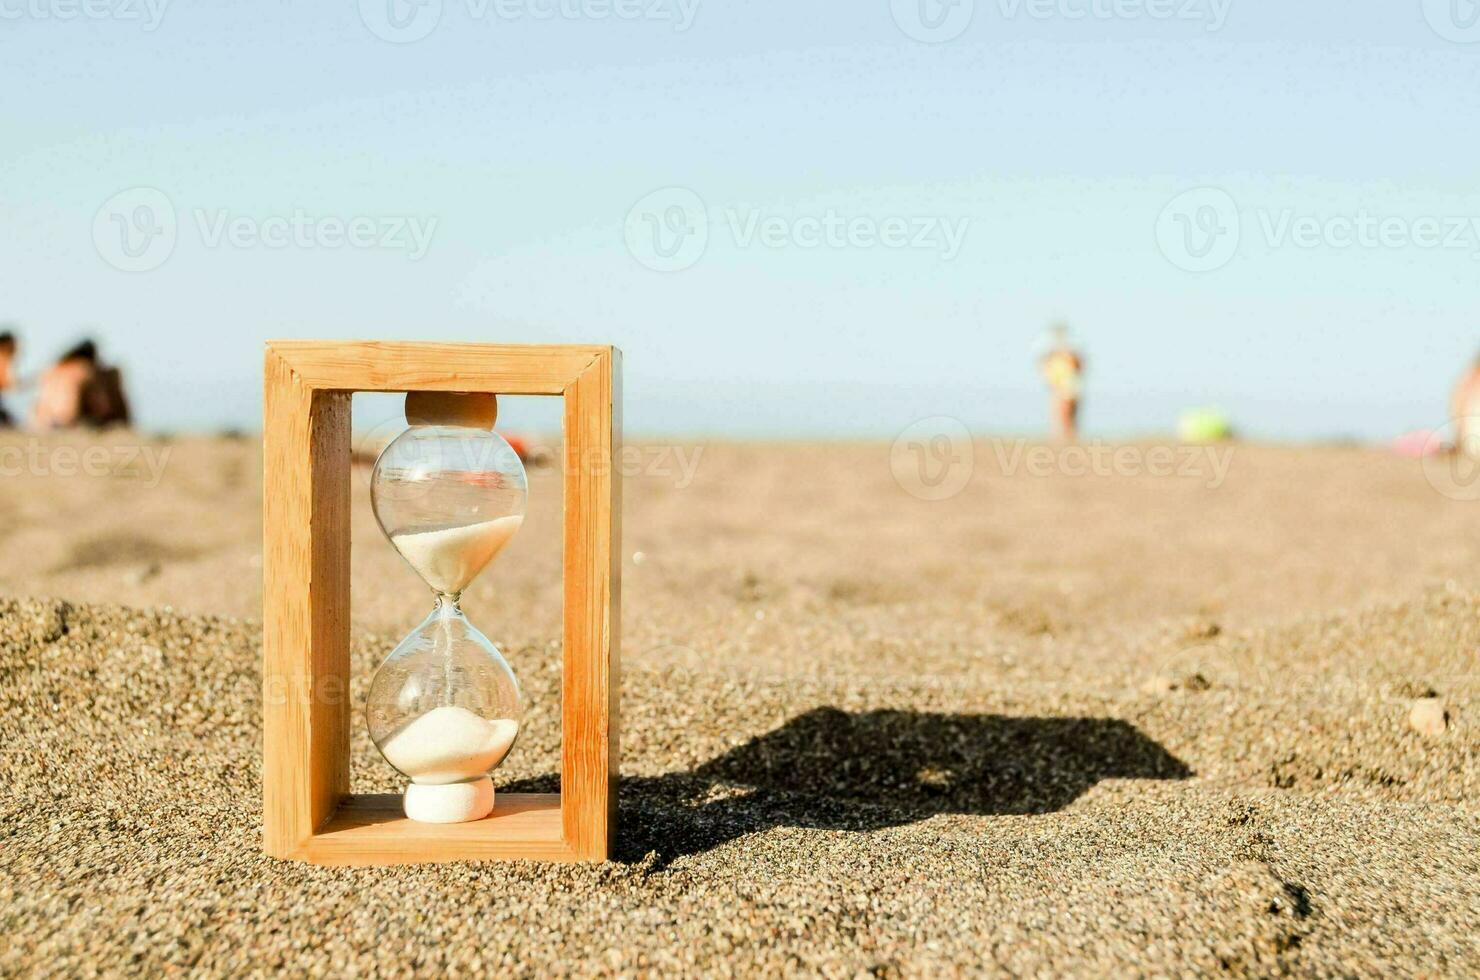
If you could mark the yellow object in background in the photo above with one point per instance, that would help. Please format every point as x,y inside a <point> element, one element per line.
<point>1061,370</point>
<point>1203,425</point>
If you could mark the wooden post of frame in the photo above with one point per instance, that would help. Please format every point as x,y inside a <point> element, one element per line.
<point>308,812</point>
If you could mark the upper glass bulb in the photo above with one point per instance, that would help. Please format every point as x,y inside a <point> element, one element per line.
<point>449,497</point>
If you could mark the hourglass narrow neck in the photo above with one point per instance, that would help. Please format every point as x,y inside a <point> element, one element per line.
<point>448,604</point>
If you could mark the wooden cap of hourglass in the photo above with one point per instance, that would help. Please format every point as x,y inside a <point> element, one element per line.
<point>475,410</point>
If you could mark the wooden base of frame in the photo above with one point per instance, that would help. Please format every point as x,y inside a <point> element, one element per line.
<point>372,830</point>
<point>308,812</point>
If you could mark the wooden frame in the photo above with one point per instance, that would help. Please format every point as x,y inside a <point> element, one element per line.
<point>308,812</point>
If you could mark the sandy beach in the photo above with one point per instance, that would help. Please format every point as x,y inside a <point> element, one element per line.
<point>1059,723</point>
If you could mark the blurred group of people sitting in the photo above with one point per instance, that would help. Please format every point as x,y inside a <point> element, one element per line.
<point>77,390</point>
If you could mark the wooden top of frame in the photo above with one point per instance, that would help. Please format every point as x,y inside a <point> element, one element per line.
<point>379,365</point>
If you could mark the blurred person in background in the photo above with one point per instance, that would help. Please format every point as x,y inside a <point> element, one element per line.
<point>1062,368</point>
<point>1464,409</point>
<point>7,374</point>
<point>79,390</point>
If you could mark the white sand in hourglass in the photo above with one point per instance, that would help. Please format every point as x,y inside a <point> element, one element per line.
<point>449,744</point>
<point>449,558</point>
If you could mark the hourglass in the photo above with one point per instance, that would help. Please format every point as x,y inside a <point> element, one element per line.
<point>444,708</point>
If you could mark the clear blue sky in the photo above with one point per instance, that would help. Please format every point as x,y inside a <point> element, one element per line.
<point>527,130</point>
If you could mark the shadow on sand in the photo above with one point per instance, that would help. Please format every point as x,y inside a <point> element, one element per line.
<point>834,770</point>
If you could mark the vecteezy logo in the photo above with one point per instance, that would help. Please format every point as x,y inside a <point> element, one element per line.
<point>933,21</point>
<point>1198,230</point>
<point>1451,459</point>
<point>668,230</point>
<point>135,229</point>
<point>401,21</point>
<point>933,458</point>
<point>1454,20</point>
<point>412,466</point>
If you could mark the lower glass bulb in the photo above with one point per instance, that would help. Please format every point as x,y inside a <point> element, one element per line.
<point>444,709</point>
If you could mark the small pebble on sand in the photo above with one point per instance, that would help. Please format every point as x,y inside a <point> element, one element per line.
<point>1157,685</point>
<point>142,574</point>
<point>1428,717</point>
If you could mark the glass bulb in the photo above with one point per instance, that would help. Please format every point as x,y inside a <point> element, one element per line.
<point>444,708</point>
